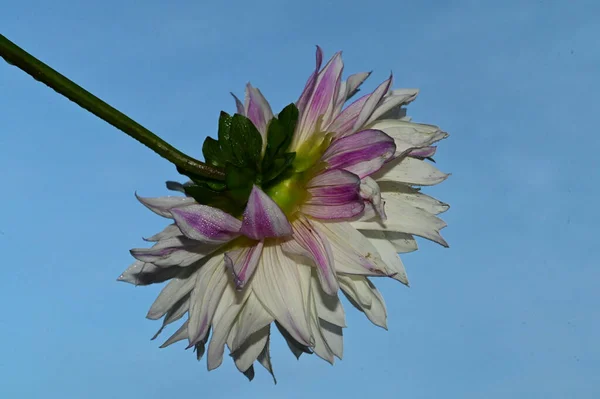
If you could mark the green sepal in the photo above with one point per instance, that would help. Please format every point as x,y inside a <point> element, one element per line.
<point>279,135</point>
<point>245,141</point>
<point>278,166</point>
<point>239,182</point>
<point>211,149</point>
<point>224,135</point>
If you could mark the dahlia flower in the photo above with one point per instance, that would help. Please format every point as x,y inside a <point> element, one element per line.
<point>316,201</point>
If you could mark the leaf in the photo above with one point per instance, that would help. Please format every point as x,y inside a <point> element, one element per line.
<point>239,182</point>
<point>278,166</point>
<point>245,141</point>
<point>211,149</point>
<point>225,121</point>
<point>279,134</point>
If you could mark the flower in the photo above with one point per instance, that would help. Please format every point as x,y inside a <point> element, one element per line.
<point>316,201</point>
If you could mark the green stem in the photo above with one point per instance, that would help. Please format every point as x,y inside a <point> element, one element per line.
<point>18,57</point>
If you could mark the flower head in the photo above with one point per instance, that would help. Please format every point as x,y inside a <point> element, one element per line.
<point>316,201</point>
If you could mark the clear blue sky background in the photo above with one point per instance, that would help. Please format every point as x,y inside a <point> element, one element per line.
<point>509,311</point>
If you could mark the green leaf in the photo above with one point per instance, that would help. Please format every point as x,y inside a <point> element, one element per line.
<point>211,149</point>
<point>224,135</point>
<point>239,182</point>
<point>279,135</point>
<point>246,142</point>
<point>278,166</point>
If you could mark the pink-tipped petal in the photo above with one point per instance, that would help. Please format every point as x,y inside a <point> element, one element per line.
<point>239,105</point>
<point>263,218</point>
<point>361,153</point>
<point>242,262</point>
<point>206,224</point>
<point>310,84</point>
<point>258,110</point>
<point>317,244</point>
<point>425,152</point>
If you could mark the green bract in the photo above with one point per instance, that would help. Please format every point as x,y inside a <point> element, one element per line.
<point>239,150</point>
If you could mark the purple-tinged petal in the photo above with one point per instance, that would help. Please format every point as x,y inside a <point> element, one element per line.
<point>317,245</point>
<point>310,84</point>
<point>169,232</point>
<point>177,251</point>
<point>321,105</point>
<point>258,110</point>
<point>162,205</point>
<point>369,191</point>
<point>425,152</point>
<point>361,153</point>
<point>372,103</point>
<point>343,124</point>
<point>263,218</point>
<point>239,105</point>
<point>206,224</point>
<point>242,262</point>
<point>206,294</point>
<point>333,187</point>
<point>344,211</point>
<point>391,103</point>
<point>334,177</point>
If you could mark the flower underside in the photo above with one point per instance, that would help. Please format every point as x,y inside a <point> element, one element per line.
<point>316,200</point>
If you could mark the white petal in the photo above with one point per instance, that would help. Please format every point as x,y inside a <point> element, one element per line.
<point>253,346</point>
<point>162,205</point>
<point>265,358</point>
<point>390,257</point>
<point>175,313</point>
<point>206,294</point>
<point>357,289</point>
<point>328,307</point>
<point>413,197</point>
<point>252,318</point>
<point>405,218</point>
<point>276,283</point>
<point>169,232</point>
<point>395,99</point>
<point>179,335</point>
<point>176,289</point>
<point>402,242</point>
<point>412,171</point>
<point>334,338</point>
<point>320,345</point>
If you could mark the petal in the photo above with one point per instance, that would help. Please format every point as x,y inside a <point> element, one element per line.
<point>425,152</point>
<point>252,318</point>
<point>404,218</point>
<point>364,296</point>
<point>353,253</point>
<point>238,105</point>
<point>258,110</point>
<point>206,224</point>
<point>343,211</point>
<point>333,187</point>
<point>169,232</point>
<point>353,83</point>
<point>413,197</point>
<point>205,296</point>
<point>394,100</point>
<point>333,178</point>
<point>276,284</point>
<point>343,124</point>
<point>264,358</point>
<point>295,347</point>
<point>333,337</point>
<point>263,218</point>
<point>143,273</point>
<point>409,135</point>
<point>372,103</point>
<point>402,242</point>
<point>175,313</point>
<point>252,347</point>
<point>176,289</point>
<point>179,335</point>
<point>242,262</point>
<point>320,346</point>
<point>178,251</point>
<point>361,153</point>
<point>322,101</point>
<point>328,307</point>
<point>317,244</point>
<point>223,320</point>
<point>411,171</point>
<point>310,84</point>
<point>370,191</point>
<point>389,255</point>
<point>162,205</point>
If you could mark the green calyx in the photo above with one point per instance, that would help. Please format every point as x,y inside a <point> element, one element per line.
<point>239,152</point>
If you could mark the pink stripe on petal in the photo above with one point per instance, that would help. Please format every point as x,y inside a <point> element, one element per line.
<point>361,153</point>
<point>205,223</point>
<point>343,124</point>
<point>333,177</point>
<point>424,152</point>
<point>242,263</point>
<point>344,211</point>
<point>263,218</point>
<point>258,110</point>
<point>310,84</point>
<point>345,193</point>
<point>372,103</point>
<point>318,246</point>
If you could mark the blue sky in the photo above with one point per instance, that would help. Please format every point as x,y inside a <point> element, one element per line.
<point>510,310</point>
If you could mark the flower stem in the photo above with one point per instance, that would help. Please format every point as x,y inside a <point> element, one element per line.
<point>18,57</point>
